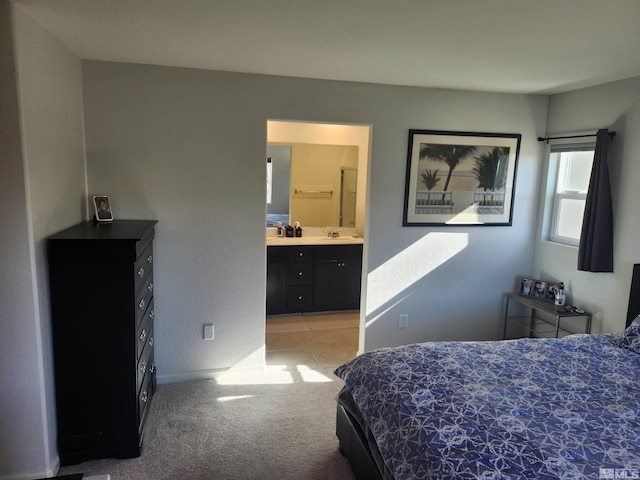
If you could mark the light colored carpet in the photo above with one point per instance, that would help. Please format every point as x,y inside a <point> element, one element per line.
<point>273,424</point>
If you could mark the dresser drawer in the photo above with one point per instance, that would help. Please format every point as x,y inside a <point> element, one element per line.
<point>144,398</point>
<point>143,332</point>
<point>299,273</point>
<point>143,299</point>
<point>143,266</point>
<point>145,361</point>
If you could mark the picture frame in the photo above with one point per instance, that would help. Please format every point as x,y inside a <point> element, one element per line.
<point>103,210</point>
<point>526,285</point>
<point>539,288</point>
<point>460,178</point>
<point>552,290</point>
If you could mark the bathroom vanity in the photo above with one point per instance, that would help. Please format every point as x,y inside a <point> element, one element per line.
<point>313,274</point>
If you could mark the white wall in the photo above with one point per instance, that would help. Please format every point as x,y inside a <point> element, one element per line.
<point>21,418</point>
<point>615,106</point>
<point>177,144</point>
<point>43,186</point>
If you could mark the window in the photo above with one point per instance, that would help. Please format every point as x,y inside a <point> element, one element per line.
<point>572,183</point>
<point>269,181</point>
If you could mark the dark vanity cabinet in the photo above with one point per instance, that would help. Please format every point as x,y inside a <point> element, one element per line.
<point>289,279</point>
<point>337,273</point>
<point>313,278</point>
<point>277,267</point>
<point>102,311</point>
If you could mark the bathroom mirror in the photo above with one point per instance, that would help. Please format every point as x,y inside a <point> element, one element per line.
<point>312,184</point>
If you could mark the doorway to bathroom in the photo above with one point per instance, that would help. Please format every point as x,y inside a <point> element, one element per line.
<point>317,175</point>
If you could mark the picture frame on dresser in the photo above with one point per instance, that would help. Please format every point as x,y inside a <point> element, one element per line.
<point>102,207</point>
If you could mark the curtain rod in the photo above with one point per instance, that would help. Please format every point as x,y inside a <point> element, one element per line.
<point>542,139</point>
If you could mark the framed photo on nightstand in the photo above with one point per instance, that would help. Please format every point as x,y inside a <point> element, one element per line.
<point>539,289</point>
<point>525,286</point>
<point>552,290</point>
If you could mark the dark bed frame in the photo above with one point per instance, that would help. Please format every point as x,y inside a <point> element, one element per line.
<point>353,440</point>
<point>354,446</point>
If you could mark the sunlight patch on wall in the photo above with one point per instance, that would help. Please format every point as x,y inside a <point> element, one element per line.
<point>391,281</point>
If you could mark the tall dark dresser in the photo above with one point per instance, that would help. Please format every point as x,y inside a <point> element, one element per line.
<point>101,289</point>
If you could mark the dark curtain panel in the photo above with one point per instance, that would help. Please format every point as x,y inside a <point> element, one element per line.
<point>596,241</point>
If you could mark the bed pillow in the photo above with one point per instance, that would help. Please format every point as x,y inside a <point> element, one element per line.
<point>630,339</point>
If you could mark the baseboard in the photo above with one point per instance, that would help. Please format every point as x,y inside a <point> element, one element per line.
<point>47,473</point>
<point>191,376</point>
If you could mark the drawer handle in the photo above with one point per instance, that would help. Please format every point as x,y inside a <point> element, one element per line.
<point>150,287</point>
<point>143,366</point>
<point>301,254</point>
<point>141,272</point>
<point>141,304</point>
<point>144,397</point>
<point>300,273</point>
<point>299,297</point>
<point>143,335</point>
<point>152,314</point>
<point>150,259</point>
<point>150,343</point>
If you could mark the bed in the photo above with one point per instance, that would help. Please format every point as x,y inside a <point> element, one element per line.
<point>528,408</point>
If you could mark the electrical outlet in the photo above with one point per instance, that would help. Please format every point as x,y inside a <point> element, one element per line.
<point>403,321</point>
<point>207,334</point>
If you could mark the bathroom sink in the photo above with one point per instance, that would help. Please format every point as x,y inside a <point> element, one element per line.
<point>313,240</point>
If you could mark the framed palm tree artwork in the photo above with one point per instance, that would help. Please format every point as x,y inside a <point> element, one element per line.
<point>460,178</point>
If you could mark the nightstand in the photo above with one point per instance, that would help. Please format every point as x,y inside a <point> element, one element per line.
<point>543,319</point>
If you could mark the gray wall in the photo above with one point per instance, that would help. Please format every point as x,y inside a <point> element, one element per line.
<point>21,416</point>
<point>42,180</point>
<point>187,147</point>
<point>615,106</point>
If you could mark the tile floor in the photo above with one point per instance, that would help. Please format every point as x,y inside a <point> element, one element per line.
<point>314,340</point>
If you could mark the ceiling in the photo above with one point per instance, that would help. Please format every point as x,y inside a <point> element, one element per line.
<point>513,46</point>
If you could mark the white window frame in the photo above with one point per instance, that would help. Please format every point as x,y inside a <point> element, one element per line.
<point>269,181</point>
<point>555,219</point>
<point>561,194</point>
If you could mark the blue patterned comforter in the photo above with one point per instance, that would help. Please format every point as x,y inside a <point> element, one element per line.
<point>518,409</point>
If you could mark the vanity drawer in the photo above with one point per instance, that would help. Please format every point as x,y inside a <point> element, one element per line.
<point>300,297</point>
<point>300,253</point>
<point>299,273</point>
<point>337,252</point>
<point>277,254</point>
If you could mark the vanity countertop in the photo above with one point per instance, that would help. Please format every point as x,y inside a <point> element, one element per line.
<point>314,240</point>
